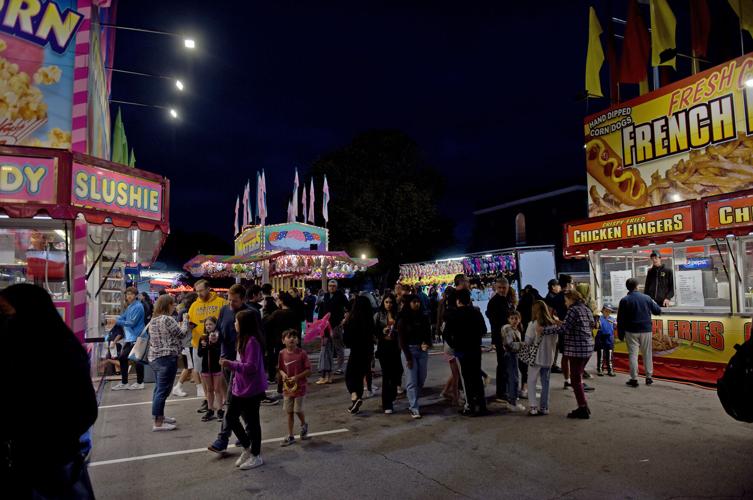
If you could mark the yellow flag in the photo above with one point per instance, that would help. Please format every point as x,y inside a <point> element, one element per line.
<point>744,11</point>
<point>594,57</point>
<point>663,26</point>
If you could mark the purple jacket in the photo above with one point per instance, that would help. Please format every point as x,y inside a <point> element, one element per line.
<point>250,378</point>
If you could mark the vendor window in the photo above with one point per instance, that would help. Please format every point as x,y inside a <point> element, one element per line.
<point>618,266</point>
<point>35,254</point>
<point>700,278</point>
<point>746,269</point>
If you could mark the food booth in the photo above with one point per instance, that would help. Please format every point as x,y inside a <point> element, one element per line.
<point>285,255</point>
<point>672,172</point>
<point>520,265</point>
<point>76,225</point>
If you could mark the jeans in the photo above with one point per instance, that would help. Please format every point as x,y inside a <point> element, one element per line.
<point>577,365</point>
<point>604,360</point>
<point>416,374</point>
<point>165,368</point>
<point>248,408</point>
<point>473,385</point>
<point>339,346</point>
<point>534,372</point>
<point>511,372</point>
<point>123,358</point>
<point>640,342</point>
<point>501,374</point>
<point>225,430</point>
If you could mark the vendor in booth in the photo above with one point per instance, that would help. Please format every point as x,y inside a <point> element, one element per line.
<point>659,281</point>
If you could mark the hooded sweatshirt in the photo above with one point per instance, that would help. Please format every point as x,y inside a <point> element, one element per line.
<point>250,377</point>
<point>201,310</point>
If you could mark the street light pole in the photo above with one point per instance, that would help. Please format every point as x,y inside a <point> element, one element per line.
<point>178,82</point>
<point>189,43</point>
<point>172,111</point>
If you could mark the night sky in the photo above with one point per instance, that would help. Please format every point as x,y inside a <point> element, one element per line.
<point>488,91</point>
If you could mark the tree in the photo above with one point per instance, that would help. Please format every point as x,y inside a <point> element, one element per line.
<point>384,201</point>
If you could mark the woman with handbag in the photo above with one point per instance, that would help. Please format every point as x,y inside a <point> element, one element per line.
<point>577,333</point>
<point>542,349</point>
<point>132,321</point>
<point>165,345</point>
<point>61,472</point>
<point>388,351</point>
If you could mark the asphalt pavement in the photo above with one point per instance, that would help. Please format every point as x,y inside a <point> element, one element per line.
<point>665,441</point>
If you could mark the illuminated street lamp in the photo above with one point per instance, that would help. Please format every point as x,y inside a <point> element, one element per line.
<point>173,114</point>
<point>189,43</point>
<point>179,84</point>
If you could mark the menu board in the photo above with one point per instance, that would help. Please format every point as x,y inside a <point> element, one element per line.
<point>618,279</point>
<point>689,287</point>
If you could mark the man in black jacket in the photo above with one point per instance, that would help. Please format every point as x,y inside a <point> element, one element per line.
<point>659,281</point>
<point>336,304</point>
<point>498,310</point>
<point>464,330</point>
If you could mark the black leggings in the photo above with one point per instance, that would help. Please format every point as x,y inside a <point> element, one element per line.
<point>123,358</point>
<point>392,373</point>
<point>354,374</point>
<point>248,408</point>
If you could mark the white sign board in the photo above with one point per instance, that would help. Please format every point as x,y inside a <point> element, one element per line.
<point>619,290</point>
<point>689,287</point>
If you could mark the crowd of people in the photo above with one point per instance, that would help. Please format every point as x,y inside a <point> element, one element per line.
<point>246,350</point>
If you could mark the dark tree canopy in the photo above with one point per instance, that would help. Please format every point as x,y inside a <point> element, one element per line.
<point>384,201</point>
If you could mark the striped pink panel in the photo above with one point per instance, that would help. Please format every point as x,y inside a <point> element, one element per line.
<point>79,278</point>
<point>81,80</point>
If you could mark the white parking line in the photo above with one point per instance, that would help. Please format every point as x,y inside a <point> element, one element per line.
<point>199,450</point>
<point>145,403</point>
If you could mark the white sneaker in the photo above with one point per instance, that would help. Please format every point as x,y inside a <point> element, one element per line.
<point>179,392</point>
<point>120,387</point>
<point>164,427</point>
<point>516,408</point>
<point>245,456</point>
<point>169,420</point>
<point>252,463</point>
<point>388,412</point>
<point>200,391</point>
<point>135,386</point>
<point>415,414</point>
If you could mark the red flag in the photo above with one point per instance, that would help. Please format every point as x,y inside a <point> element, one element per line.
<point>636,47</point>
<point>700,27</point>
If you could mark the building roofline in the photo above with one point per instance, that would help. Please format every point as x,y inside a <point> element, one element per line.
<point>529,199</point>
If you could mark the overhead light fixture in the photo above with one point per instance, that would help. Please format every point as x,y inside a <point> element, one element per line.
<point>363,256</point>
<point>179,84</point>
<point>189,43</point>
<point>173,113</point>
